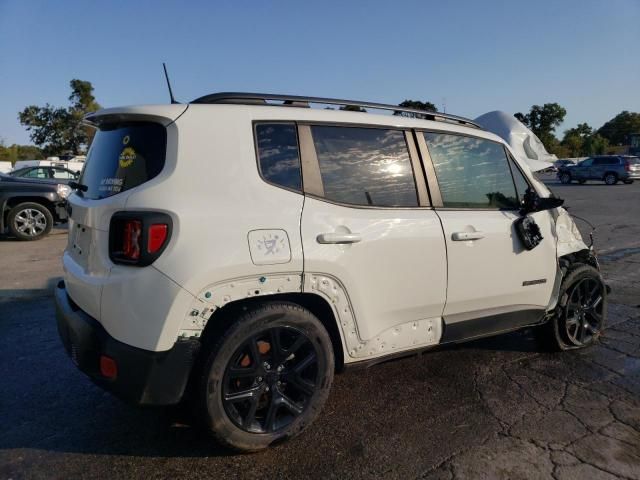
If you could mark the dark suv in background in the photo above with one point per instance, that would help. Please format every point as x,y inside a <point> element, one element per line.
<point>29,208</point>
<point>607,168</point>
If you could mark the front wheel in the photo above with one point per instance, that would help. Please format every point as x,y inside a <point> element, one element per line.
<point>565,178</point>
<point>267,377</point>
<point>610,179</point>
<point>30,221</point>
<point>581,311</point>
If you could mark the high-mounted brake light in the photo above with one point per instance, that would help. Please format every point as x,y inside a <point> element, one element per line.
<point>138,238</point>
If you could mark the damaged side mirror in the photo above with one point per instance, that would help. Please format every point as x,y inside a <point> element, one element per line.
<point>526,227</point>
<point>532,202</point>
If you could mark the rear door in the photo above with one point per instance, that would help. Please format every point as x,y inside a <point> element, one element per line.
<point>368,230</point>
<point>494,283</point>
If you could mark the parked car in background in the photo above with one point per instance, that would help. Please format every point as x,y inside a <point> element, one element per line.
<point>607,168</point>
<point>311,239</point>
<point>60,174</point>
<point>30,208</point>
<point>73,163</point>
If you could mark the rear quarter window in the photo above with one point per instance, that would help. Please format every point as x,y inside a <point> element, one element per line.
<point>123,156</point>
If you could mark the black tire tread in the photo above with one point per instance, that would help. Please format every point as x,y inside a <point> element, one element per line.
<point>212,350</point>
<point>21,206</point>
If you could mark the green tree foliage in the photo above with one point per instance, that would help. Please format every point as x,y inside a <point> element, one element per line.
<point>582,141</point>
<point>543,120</point>
<point>14,152</point>
<point>618,129</point>
<point>418,105</point>
<point>59,130</point>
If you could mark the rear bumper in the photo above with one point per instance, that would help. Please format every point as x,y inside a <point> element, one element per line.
<point>143,377</point>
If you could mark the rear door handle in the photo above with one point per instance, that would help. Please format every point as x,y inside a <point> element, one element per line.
<point>338,238</point>
<point>461,236</point>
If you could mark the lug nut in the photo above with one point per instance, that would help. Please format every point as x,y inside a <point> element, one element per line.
<point>280,368</point>
<point>259,379</point>
<point>266,365</point>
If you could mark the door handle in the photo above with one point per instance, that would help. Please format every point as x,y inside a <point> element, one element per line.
<point>461,236</point>
<point>338,238</point>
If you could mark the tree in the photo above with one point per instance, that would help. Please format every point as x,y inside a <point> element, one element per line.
<point>418,105</point>
<point>543,120</point>
<point>14,152</point>
<point>618,129</point>
<point>60,130</point>
<point>582,141</point>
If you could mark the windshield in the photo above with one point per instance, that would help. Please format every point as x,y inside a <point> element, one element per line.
<point>123,156</point>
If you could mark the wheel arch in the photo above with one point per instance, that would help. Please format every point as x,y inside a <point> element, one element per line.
<point>11,202</point>
<point>223,317</point>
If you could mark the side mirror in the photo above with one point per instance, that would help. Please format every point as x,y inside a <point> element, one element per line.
<point>534,203</point>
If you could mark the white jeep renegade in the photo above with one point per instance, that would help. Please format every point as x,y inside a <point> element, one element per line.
<point>243,247</point>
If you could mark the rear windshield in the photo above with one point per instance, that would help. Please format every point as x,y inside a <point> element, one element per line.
<point>123,156</point>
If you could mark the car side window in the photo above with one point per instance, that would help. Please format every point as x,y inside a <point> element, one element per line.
<point>587,162</point>
<point>37,173</point>
<point>365,166</point>
<point>62,174</point>
<point>278,154</point>
<point>520,180</point>
<point>471,172</point>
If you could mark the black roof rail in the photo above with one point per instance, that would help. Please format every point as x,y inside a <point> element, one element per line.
<point>245,98</point>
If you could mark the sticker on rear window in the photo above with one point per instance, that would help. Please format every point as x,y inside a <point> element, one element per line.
<point>127,156</point>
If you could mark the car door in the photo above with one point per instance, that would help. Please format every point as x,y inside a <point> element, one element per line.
<point>369,235</point>
<point>494,283</point>
<point>598,168</point>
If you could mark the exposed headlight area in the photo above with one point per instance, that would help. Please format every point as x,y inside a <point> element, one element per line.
<point>63,190</point>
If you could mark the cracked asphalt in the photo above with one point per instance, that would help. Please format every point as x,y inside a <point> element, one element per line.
<point>494,408</point>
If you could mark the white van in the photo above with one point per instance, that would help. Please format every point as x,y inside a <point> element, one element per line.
<point>242,248</point>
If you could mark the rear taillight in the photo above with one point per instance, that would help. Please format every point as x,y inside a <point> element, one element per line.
<point>627,166</point>
<point>131,239</point>
<point>138,238</point>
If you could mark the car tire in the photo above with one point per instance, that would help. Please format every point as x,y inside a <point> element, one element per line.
<point>628,182</point>
<point>30,221</point>
<point>581,313</point>
<point>565,178</point>
<point>610,178</point>
<point>267,377</point>
<point>581,182</point>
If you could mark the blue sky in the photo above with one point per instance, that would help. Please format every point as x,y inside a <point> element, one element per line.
<point>476,56</point>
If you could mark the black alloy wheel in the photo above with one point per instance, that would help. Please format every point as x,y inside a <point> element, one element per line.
<point>265,374</point>
<point>584,311</point>
<point>270,379</point>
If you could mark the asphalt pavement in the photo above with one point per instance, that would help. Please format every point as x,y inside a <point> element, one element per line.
<point>494,408</point>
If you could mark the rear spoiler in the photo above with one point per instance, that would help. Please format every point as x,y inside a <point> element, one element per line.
<point>163,114</point>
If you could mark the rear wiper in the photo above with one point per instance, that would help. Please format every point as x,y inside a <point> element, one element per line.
<point>78,186</point>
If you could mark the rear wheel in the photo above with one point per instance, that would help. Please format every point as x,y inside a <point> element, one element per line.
<point>267,377</point>
<point>628,182</point>
<point>581,311</point>
<point>565,178</point>
<point>581,182</point>
<point>610,179</point>
<point>30,221</point>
